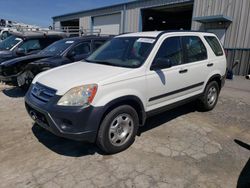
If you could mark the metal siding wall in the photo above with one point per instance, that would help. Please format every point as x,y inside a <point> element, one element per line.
<point>153,3</point>
<point>243,15</point>
<point>229,10</point>
<point>243,56</point>
<point>237,35</point>
<point>132,23</point>
<point>57,24</point>
<point>246,39</point>
<point>132,12</point>
<point>132,20</point>
<point>85,22</point>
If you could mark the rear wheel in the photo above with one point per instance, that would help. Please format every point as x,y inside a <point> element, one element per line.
<point>210,96</point>
<point>118,129</point>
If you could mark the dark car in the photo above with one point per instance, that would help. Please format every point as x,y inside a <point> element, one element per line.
<point>26,43</point>
<point>21,71</point>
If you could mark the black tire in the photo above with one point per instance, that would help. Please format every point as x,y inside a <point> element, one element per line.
<point>206,104</point>
<point>104,137</point>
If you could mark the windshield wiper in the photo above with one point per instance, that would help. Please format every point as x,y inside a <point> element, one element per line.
<point>109,63</point>
<point>102,62</point>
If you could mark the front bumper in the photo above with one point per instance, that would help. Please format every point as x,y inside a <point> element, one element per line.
<point>70,122</point>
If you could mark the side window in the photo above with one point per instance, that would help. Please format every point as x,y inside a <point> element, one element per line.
<point>194,49</point>
<point>215,45</point>
<point>97,44</point>
<point>170,51</point>
<point>31,45</point>
<point>81,49</point>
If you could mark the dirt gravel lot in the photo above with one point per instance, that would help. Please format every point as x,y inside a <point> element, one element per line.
<point>178,148</point>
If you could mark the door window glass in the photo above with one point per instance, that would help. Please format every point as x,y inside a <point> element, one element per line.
<point>30,45</point>
<point>170,51</point>
<point>82,49</point>
<point>194,49</point>
<point>215,45</point>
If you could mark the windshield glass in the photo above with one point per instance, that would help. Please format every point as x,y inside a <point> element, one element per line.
<point>9,42</point>
<point>57,48</point>
<point>123,51</point>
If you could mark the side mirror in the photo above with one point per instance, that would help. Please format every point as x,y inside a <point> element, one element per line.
<point>20,51</point>
<point>161,63</point>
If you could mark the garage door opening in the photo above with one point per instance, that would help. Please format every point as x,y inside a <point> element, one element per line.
<point>107,24</point>
<point>174,17</point>
<point>71,26</point>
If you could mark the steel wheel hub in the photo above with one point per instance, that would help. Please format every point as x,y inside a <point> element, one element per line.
<point>212,96</point>
<point>121,129</point>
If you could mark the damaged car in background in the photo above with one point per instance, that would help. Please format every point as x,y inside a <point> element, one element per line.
<point>25,43</point>
<point>21,71</point>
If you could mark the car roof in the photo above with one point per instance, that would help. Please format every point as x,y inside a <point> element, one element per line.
<point>87,37</point>
<point>155,34</point>
<point>31,34</point>
<point>142,34</point>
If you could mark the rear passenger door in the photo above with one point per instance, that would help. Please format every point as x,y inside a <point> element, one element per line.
<point>184,78</point>
<point>195,62</point>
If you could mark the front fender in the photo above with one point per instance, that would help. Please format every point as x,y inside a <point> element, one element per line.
<point>102,99</point>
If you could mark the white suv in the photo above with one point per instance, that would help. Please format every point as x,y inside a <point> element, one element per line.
<point>105,98</point>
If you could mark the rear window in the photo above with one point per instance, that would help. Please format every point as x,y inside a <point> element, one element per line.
<point>215,45</point>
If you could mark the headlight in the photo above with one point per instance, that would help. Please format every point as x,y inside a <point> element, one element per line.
<point>79,96</point>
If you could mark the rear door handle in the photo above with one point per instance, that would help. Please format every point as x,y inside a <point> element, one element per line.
<point>210,64</point>
<point>183,71</point>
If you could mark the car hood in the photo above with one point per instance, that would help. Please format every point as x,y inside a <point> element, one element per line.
<point>5,55</point>
<point>72,75</point>
<point>51,60</point>
<point>28,58</point>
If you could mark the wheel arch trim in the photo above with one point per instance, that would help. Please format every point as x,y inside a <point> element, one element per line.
<point>132,100</point>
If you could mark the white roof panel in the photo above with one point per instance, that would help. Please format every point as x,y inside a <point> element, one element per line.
<point>153,34</point>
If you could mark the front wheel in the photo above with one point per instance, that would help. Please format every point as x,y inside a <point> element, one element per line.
<point>118,129</point>
<point>210,96</point>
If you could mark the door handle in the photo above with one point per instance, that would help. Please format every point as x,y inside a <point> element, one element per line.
<point>210,64</point>
<point>183,71</point>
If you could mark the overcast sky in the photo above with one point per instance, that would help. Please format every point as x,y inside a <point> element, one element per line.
<point>39,12</point>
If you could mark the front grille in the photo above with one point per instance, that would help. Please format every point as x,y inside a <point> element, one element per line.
<point>42,93</point>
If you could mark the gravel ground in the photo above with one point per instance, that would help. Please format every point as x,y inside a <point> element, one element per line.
<point>178,148</point>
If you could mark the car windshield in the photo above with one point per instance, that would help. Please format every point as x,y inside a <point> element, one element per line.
<point>9,42</point>
<point>128,52</point>
<point>57,48</point>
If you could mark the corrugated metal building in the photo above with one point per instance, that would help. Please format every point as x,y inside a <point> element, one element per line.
<point>228,19</point>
